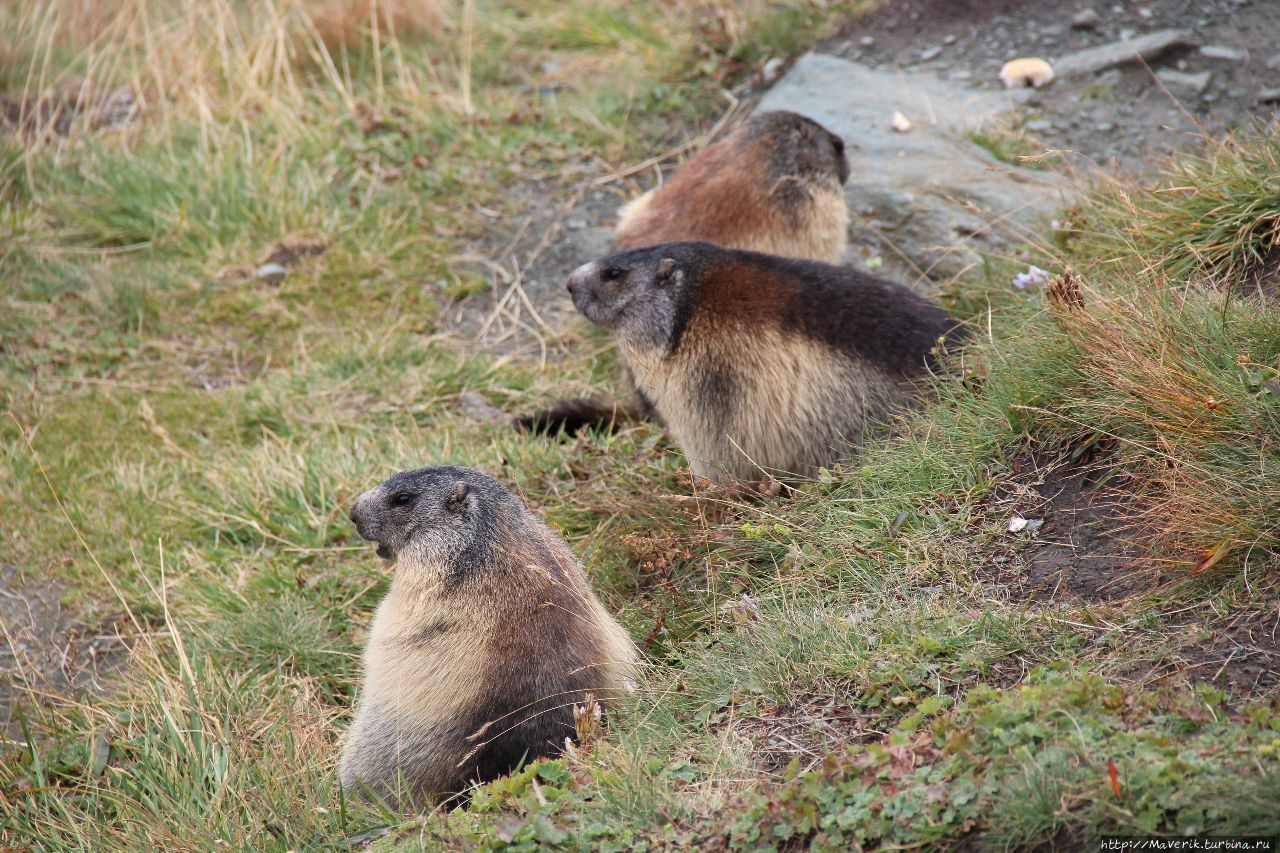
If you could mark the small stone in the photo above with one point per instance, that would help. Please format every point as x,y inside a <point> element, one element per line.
<point>961,74</point>
<point>1145,12</point>
<point>1191,83</point>
<point>1104,127</point>
<point>867,41</point>
<point>772,69</point>
<point>900,123</point>
<point>1128,33</point>
<point>1269,96</point>
<point>271,273</point>
<point>1223,52</point>
<point>1038,124</point>
<point>949,39</point>
<point>1182,65</point>
<point>1274,63</point>
<point>575,224</point>
<point>1106,56</point>
<point>930,53</point>
<point>477,408</point>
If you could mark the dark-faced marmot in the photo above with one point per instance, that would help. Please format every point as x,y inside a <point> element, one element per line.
<point>489,636</point>
<point>775,184</point>
<point>759,363</point>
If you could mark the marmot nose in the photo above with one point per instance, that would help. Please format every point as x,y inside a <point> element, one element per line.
<point>354,515</point>
<point>581,276</point>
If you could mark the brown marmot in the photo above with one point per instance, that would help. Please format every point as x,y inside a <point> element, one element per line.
<point>489,636</point>
<point>775,184</point>
<point>758,363</point>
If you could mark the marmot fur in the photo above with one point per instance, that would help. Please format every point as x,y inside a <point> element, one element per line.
<point>775,184</point>
<point>489,636</point>
<point>760,363</point>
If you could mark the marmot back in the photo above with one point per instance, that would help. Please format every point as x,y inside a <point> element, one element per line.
<point>758,363</point>
<point>775,185</point>
<point>488,637</point>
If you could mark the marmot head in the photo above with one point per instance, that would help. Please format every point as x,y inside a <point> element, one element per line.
<point>644,296</point>
<point>445,516</point>
<point>798,145</point>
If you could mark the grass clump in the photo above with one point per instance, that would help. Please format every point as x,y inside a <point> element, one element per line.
<point>1217,213</point>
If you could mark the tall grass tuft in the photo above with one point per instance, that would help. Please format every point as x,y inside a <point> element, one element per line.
<point>1217,211</point>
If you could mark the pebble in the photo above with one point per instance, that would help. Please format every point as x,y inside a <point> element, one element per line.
<point>867,41</point>
<point>961,74</point>
<point>576,224</point>
<point>1086,19</point>
<point>272,273</point>
<point>949,39</point>
<point>1104,127</point>
<point>930,53</point>
<point>1269,96</point>
<point>1145,12</point>
<point>1038,124</point>
<point>1274,63</point>
<point>1222,51</point>
<point>1193,83</point>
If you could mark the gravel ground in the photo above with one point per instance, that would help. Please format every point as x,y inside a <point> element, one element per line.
<point>1122,114</point>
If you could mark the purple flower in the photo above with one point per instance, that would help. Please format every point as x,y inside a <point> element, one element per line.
<point>1033,277</point>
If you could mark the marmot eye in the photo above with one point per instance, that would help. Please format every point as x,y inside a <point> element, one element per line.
<point>611,274</point>
<point>401,499</point>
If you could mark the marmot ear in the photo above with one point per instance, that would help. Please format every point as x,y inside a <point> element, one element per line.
<point>456,502</point>
<point>668,271</point>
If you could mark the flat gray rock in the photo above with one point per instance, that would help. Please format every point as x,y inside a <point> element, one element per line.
<point>1106,56</point>
<point>931,199</point>
<point>1178,80</point>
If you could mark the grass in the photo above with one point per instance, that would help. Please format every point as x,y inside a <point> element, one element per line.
<point>1009,143</point>
<point>843,668</point>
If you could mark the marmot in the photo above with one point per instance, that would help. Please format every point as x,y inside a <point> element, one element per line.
<point>489,636</point>
<point>760,363</point>
<point>775,184</point>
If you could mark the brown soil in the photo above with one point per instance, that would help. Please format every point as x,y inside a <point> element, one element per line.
<point>44,651</point>
<point>1084,548</point>
<point>809,729</point>
<point>1088,551</point>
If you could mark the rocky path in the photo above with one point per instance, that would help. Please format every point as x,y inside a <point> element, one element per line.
<point>1223,72</point>
<point>928,202</point>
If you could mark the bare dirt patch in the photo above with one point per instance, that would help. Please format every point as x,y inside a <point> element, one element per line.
<point>45,651</point>
<point>1085,548</point>
<point>809,729</point>
<point>1071,534</point>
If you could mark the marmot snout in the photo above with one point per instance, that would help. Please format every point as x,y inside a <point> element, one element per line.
<point>488,637</point>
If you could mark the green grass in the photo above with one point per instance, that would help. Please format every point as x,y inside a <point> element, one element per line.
<point>1009,143</point>
<point>839,668</point>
